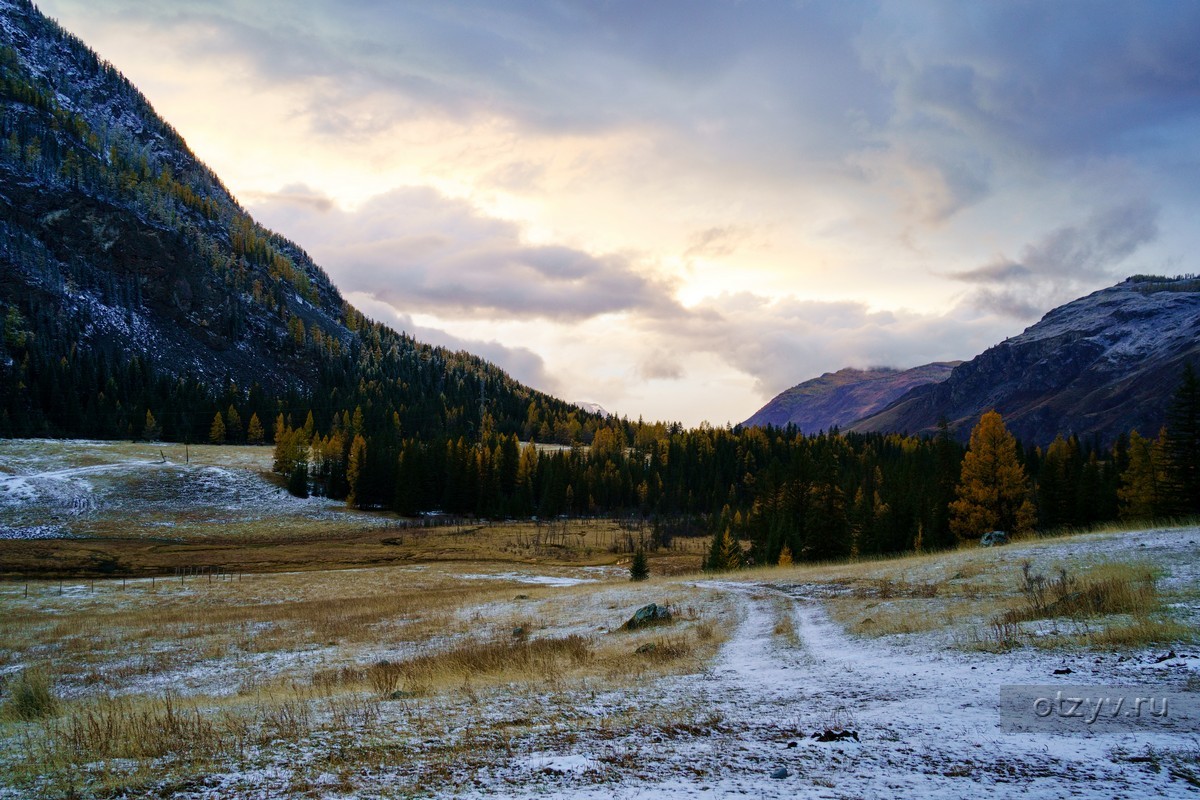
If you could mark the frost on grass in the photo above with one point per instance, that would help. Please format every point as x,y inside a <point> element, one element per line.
<point>52,488</point>
<point>751,669</point>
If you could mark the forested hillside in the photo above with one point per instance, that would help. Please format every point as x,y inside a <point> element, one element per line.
<point>139,299</point>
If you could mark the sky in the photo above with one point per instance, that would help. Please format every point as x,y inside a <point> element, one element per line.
<point>679,208</point>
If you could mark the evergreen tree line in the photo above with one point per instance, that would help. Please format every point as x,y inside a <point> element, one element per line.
<point>785,494</point>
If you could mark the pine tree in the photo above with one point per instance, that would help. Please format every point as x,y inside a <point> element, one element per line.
<point>639,569</point>
<point>216,433</point>
<point>1182,448</point>
<point>298,480</point>
<point>993,492</point>
<point>725,553</point>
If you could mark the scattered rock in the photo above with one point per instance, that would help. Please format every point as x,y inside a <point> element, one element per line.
<point>652,614</point>
<point>1166,657</point>
<point>1063,671</point>
<point>780,773</point>
<point>994,539</point>
<point>830,735</point>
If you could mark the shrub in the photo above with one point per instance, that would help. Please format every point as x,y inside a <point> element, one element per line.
<point>30,695</point>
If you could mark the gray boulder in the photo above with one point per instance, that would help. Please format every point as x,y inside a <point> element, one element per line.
<point>994,539</point>
<point>652,614</point>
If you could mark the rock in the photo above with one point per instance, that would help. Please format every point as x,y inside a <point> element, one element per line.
<point>830,735</point>
<point>1063,671</point>
<point>792,744</point>
<point>994,539</point>
<point>780,773</point>
<point>652,614</point>
<point>1166,657</point>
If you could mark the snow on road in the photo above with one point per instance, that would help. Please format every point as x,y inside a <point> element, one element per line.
<point>927,722</point>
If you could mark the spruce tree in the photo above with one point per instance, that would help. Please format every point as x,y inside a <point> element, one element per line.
<point>639,569</point>
<point>298,480</point>
<point>1182,447</point>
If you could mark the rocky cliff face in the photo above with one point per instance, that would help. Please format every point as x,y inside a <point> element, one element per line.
<point>837,399</point>
<point>1100,365</point>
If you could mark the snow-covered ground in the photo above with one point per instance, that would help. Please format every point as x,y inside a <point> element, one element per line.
<point>924,709</point>
<point>52,488</point>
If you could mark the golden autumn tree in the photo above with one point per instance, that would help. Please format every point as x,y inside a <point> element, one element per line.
<point>1143,482</point>
<point>354,468</point>
<point>993,490</point>
<point>255,433</point>
<point>216,433</point>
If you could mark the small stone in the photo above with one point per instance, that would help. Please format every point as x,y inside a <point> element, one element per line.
<point>1063,671</point>
<point>792,744</point>
<point>780,773</point>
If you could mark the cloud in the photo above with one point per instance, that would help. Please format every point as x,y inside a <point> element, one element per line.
<point>660,365</point>
<point>1056,267</point>
<point>419,251</point>
<point>782,341</point>
<point>521,363</point>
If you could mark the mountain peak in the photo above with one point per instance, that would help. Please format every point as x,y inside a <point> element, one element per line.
<point>1099,365</point>
<point>837,399</point>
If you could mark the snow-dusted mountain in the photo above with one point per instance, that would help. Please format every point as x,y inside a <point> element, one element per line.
<point>1102,365</point>
<point>837,399</point>
<point>131,281</point>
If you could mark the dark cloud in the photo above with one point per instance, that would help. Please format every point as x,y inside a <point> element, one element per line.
<point>662,366</point>
<point>1065,78</point>
<point>420,251</point>
<point>1059,266</point>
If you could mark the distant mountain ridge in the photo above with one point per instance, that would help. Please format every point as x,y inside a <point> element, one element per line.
<point>837,399</point>
<point>1098,366</point>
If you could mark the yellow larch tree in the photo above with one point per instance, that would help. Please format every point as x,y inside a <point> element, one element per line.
<point>993,491</point>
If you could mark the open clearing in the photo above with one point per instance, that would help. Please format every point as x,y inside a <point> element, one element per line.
<point>501,677</point>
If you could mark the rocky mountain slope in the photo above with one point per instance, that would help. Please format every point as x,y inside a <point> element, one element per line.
<point>132,281</point>
<point>837,399</point>
<point>1100,365</point>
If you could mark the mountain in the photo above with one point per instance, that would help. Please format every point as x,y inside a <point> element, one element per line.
<point>1100,365</point>
<point>837,399</point>
<point>594,408</point>
<point>131,281</point>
